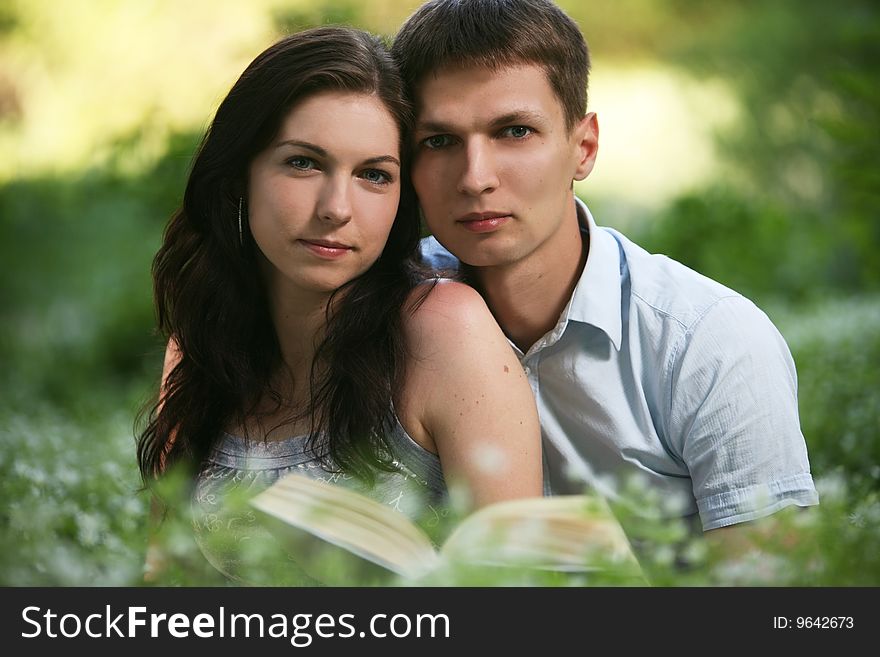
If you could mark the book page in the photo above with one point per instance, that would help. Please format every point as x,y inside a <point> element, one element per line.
<point>352,521</point>
<point>567,533</point>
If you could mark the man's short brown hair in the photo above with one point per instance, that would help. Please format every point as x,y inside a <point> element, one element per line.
<point>494,34</point>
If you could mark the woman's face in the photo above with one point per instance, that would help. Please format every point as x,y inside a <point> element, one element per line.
<point>323,195</point>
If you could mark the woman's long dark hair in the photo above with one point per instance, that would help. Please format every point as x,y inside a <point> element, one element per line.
<point>211,299</point>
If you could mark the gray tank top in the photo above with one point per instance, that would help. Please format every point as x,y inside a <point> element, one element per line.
<point>235,542</point>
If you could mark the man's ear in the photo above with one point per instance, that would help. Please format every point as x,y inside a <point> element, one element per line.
<point>585,138</point>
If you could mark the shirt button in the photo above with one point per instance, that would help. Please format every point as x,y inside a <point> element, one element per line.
<point>528,371</point>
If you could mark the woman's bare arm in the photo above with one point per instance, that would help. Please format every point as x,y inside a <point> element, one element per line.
<point>155,558</point>
<point>467,399</point>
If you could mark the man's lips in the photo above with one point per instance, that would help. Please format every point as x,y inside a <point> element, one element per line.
<point>326,248</point>
<point>484,222</point>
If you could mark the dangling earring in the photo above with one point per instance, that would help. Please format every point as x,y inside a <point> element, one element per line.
<point>240,232</point>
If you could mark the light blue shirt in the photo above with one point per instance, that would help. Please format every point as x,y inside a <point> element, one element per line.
<point>659,376</point>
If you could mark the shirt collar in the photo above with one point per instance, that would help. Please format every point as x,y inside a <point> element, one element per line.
<point>596,298</point>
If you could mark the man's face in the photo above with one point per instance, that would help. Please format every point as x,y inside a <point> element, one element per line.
<point>495,161</point>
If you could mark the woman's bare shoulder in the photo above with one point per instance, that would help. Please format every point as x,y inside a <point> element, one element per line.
<point>443,308</point>
<point>467,392</point>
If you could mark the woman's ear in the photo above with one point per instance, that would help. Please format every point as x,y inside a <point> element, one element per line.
<point>585,138</point>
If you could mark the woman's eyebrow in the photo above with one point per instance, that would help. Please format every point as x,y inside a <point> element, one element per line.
<point>323,152</point>
<point>382,158</point>
<point>302,144</point>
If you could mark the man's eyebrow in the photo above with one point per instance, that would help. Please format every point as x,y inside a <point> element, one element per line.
<point>323,152</point>
<point>510,118</point>
<point>517,116</point>
<point>434,126</point>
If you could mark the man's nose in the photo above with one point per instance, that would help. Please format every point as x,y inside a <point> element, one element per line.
<point>479,175</point>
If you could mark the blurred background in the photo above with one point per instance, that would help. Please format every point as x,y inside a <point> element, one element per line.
<point>739,137</point>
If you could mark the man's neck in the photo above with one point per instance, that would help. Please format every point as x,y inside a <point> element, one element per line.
<point>528,296</point>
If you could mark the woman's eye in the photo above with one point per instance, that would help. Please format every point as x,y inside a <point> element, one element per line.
<point>437,141</point>
<point>376,176</point>
<point>517,131</point>
<point>301,163</point>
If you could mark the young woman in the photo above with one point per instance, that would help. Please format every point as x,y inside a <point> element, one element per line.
<point>301,336</point>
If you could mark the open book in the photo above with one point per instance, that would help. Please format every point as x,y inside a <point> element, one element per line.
<point>573,534</point>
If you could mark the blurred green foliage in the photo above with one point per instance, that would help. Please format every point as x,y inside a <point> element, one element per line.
<point>802,185</point>
<point>77,315</point>
<point>836,347</point>
<point>290,19</point>
<point>80,358</point>
<point>790,224</point>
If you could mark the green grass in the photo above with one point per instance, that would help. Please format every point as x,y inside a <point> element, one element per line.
<point>74,515</point>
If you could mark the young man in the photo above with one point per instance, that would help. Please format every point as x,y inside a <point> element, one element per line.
<point>640,366</point>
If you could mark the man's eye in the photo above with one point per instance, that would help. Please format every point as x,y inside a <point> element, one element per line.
<point>437,141</point>
<point>517,131</point>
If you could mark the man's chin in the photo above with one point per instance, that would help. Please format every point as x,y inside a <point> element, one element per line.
<point>479,251</point>
<point>484,259</point>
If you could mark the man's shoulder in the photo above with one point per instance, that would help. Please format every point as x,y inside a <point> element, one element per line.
<point>667,289</point>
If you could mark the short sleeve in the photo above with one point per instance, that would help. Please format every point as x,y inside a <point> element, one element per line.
<point>734,416</point>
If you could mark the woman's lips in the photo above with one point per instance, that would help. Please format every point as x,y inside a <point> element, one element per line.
<point>326,249</point>
<point>484,222</point>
